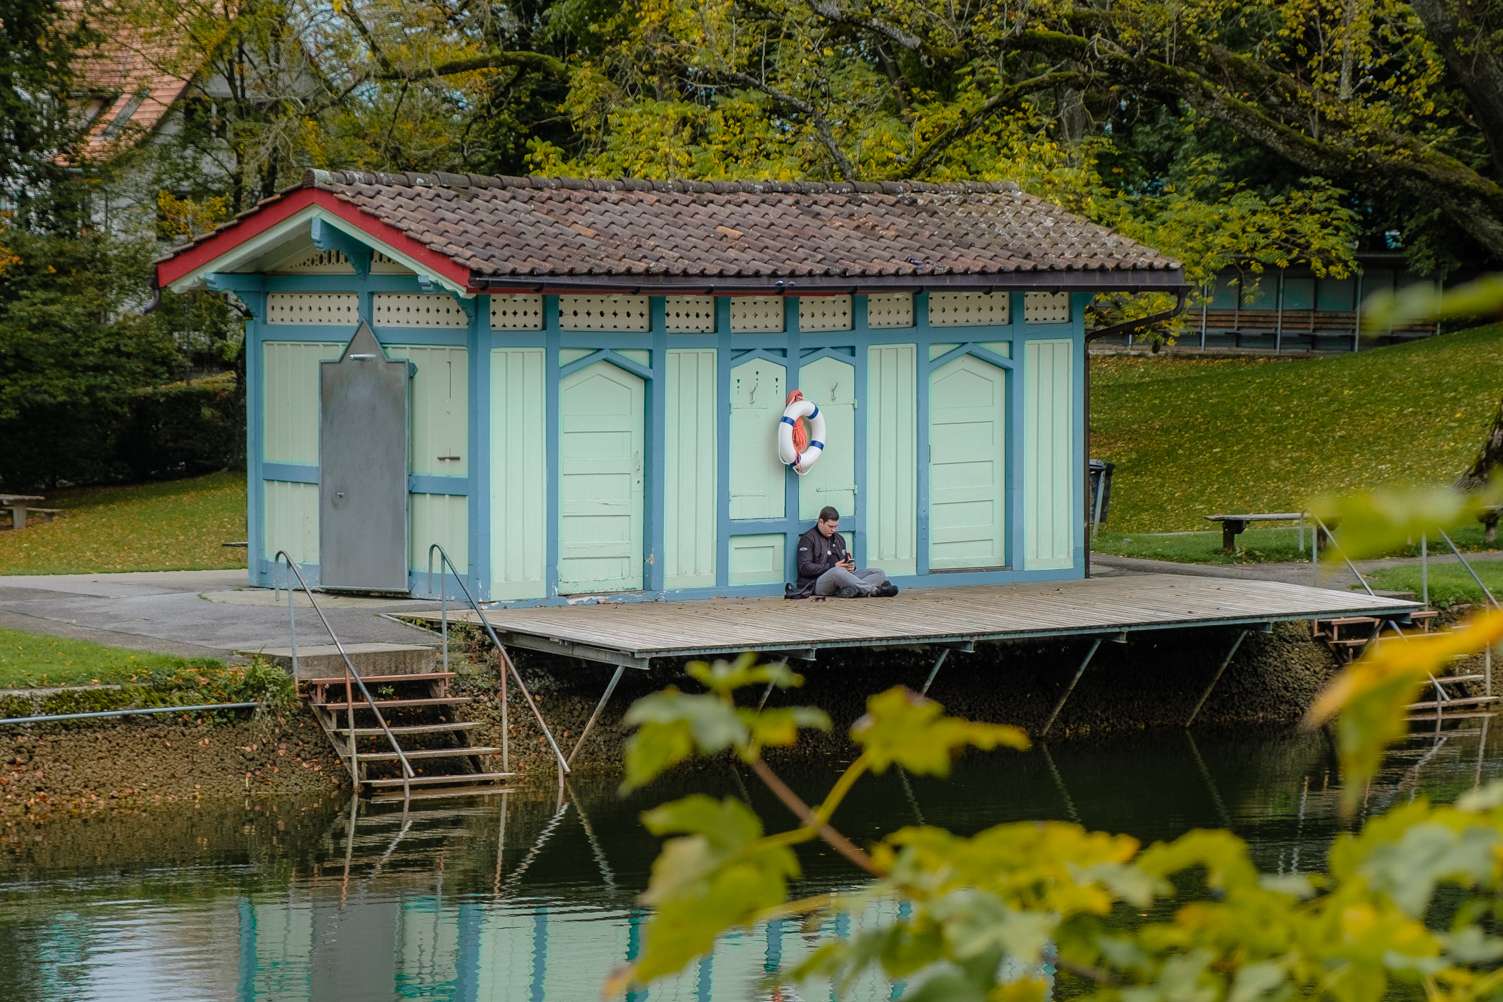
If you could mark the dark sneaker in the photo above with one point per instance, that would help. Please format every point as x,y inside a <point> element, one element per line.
<point>848,592</point>
<point>886,590</point>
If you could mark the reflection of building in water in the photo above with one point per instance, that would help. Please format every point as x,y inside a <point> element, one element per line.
<point>424,946</point>
<point>439,913</point>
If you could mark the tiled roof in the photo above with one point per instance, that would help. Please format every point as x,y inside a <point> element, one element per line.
<point>127,72</point>
<point>511,231</point>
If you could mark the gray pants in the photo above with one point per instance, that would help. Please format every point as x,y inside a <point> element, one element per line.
<point>864,581</point>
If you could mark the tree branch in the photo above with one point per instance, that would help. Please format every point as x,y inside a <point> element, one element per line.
<point>925,157</point>
<point>521,59</point>
<point>816,120</point>
<point>833,838</point>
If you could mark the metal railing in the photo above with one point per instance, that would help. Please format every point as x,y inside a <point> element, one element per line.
<point>507,667</point>
<point>1487,670</point>
<point>352,679</point>
<point>1321,529</point>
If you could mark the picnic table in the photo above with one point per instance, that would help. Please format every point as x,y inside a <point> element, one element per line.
<point>1233,526</point>
<point>20,505</point>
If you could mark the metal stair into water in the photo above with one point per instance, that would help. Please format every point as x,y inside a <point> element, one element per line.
<point>1453,692</point>
<point>420,714</point>
<point>389,713</point>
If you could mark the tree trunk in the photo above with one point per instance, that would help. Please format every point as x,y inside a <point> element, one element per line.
<point>1488,459</point>
<point>1465,40</point>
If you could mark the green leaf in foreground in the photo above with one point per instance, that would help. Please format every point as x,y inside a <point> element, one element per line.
<point>671,727</point>
<point>1373,523</point>
<point>1369,698</point>
<point>725,677</point>
<point>716,876</point>
<point>903,728</point>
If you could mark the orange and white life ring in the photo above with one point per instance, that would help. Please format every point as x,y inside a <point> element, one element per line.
<point>789,452</point>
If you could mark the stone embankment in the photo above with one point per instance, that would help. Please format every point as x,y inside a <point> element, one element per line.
<point>1152,682</point>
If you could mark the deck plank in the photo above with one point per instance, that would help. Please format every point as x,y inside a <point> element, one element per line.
<point>992,612</point>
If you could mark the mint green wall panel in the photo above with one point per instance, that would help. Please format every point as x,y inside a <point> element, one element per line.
<point>690,464</point>
<point>519,474</point>
<point>1049,518</point>
<point>440,409</point>
<point>291,520</point>
<point>443,519</point>
<point>891,416</point>
<point>756,559</point>
<point>831,384</point>
<point>601,414</point>
<point>758,390</point>
<point>289,410</point>
<point>966,465</point>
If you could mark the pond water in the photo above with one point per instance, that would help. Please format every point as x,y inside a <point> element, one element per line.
<point>527,900</point>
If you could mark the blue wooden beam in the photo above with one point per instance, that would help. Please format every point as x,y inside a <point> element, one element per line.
<point>328,238</point>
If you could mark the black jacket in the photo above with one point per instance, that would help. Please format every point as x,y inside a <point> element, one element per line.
<point>816,554</point>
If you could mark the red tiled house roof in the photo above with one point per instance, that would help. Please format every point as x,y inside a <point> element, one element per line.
<point>509,232</point>
<point>125,75</point>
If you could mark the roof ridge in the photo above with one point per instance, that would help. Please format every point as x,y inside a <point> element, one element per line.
<point>332,179</point>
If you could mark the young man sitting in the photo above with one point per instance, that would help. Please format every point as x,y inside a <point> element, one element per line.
<point>825,568</point>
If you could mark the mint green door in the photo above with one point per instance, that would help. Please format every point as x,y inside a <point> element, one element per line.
<point>601,413</point>
<point>966,468</point>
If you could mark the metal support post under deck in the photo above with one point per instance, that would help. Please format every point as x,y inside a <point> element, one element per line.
<point>938,662</point>
<point>589,724</point>
<point>1095,645</point>
<point>1241,636</point>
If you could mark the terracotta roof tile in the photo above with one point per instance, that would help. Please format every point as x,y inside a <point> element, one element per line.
<point>510,229</point>
<point>128,72</point>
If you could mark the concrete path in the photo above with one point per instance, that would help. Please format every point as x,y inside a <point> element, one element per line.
<point>1295,572</point>
<point>189,613</point>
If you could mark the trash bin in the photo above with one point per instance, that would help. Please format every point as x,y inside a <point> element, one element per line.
<point>1101,490</point>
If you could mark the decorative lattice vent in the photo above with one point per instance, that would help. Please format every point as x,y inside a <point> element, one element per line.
<point>689,313</point>
<point>383,265</point>
<point>889,309</point>
<point>1046,307</point>
<point>418,310</point>
<point>757,313</point>
<point>517,313</point>
<point>318,262</point>
<point>968,309</point>
<point>321,309</point>
<point>824,313</point>
<point>602,313</point>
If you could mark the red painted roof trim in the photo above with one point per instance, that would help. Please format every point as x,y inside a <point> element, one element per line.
<point>191,258</point>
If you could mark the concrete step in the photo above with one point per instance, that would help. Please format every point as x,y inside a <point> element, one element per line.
<point>318,660</point>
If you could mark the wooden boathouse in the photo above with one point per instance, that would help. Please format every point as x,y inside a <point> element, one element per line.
<point>576,386</point>
<point>578,389</point>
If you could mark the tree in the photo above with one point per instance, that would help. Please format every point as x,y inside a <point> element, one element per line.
<point>1371,117</point>
<point>38,127</point>
<point>71,352</point>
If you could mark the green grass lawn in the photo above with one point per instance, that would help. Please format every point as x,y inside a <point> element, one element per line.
<point>29,659</point>
<point>169,525</point>
<point>1194,437</point>
<point>1449,583</point>
<point>1255,545</point>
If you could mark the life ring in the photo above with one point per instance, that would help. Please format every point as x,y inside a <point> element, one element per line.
<point>788,453</point>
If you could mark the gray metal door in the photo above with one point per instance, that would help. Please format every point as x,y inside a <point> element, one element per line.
<point>362,483</point>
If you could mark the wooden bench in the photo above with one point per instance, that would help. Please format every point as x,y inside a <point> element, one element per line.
<point>1233,526</point>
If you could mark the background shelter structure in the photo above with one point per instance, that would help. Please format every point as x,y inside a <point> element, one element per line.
<point>597,371</point>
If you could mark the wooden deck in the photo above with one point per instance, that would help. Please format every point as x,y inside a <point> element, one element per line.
<point>634,633</point>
